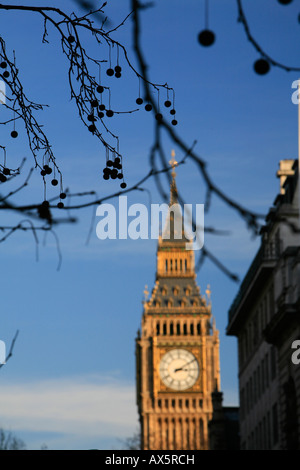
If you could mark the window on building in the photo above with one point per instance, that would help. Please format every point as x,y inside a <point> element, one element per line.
<point>271,301</point>
<point>254,387</point>
<point>267,370</point>
<point>262,371</point>
<point>268,431</point>
<point>242,400</point>
<point>273,363</point>
<point>275,424</point>
<point>258,382</point>
<point>277,244</point>
<point>255,329</point>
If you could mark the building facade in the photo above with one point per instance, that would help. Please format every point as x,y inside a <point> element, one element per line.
<point>265,318</point>
<point>177,349</point>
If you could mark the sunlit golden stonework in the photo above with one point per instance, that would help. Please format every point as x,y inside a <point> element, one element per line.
<point>177,351</point>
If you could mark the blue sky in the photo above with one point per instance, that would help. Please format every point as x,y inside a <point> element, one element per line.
<point>71,382</point>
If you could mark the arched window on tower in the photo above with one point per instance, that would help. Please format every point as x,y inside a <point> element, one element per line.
<point>187,291</point>
<point>175,291</point>
<point>198,328</point>
<point>157,329</point>
<point>164,329</point>
<point>187,428</point>
<point>201,433</point>
<point>171,329</point>
<point>178,329</point>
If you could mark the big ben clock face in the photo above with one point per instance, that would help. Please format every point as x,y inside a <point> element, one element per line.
<point>179,369</point>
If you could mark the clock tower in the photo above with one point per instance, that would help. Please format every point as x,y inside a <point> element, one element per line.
<point>177,349</point>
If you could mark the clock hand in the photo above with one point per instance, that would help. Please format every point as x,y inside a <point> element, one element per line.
<point>184,365</point>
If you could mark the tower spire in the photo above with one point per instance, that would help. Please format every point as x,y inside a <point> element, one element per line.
<point>173,187</point>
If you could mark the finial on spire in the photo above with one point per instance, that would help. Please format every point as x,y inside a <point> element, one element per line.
<point>173,163</point>
<point>146,293</point>
<point>208,293</point>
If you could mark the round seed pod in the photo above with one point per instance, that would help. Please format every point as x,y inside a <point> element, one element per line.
<point>139,101</point>
<point>114,174</point>
<point>110,72</point>
<point>54,182</point>
<point>62,195</point>
<point>167,103</point>
<point>2,178</point>
<point>100,89</point>
<point>261,66</point>
<point>206,38</point>
<point>109,113</point>
<point>123,185</point>
<point>148,107</point>
<point>60,205</point>
<point>92,128</point>
<point>14,134</point>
